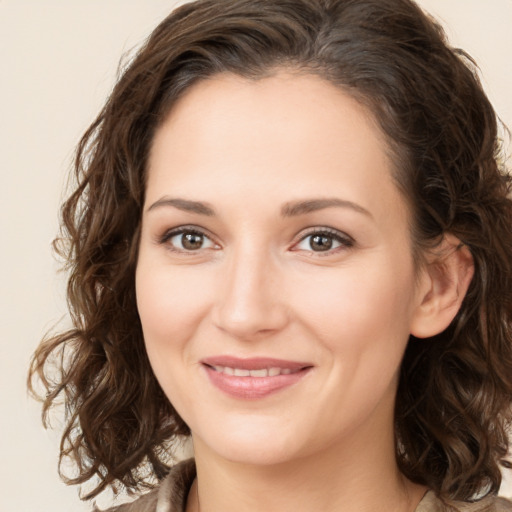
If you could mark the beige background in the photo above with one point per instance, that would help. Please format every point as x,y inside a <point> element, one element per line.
<point>58,61</point>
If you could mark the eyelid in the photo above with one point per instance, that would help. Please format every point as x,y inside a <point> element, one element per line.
<point>343,238</point>
<point>189,228</point>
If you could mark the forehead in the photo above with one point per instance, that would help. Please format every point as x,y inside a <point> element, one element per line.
<point>231,134</point>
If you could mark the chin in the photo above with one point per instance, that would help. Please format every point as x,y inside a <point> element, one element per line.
<point>252,444</point>
<point>269,454</point>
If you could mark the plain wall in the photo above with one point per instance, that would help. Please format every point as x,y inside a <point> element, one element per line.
<point>58,63</point>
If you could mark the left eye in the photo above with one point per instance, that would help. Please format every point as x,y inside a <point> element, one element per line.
<point>188,240</point>
<point>321,241</point>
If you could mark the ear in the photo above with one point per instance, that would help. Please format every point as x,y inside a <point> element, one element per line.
<point>443,286</point>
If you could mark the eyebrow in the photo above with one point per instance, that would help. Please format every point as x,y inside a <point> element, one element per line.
<point>185,205</point>
<point>290,209</point>
<point>302,207</point>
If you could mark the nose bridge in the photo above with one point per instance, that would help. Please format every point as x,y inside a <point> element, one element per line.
<point>250,303</point>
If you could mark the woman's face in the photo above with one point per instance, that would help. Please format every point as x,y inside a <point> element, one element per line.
<point>275,282</point>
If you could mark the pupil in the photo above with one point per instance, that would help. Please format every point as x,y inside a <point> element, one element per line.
<point>321,243</point>
<point>192,241</point>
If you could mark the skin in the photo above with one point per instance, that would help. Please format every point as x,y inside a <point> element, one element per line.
<point>256,287</point>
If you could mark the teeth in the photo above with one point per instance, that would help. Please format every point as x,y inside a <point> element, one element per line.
<point>259,373</point>
<point>264,372</point>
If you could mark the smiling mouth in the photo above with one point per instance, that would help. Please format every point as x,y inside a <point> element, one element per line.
<point>253,378</point>
<point>264,372</point>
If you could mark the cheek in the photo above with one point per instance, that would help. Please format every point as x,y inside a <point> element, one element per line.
<point>171,303</point>
<point>171,308</point>
<point>351,300</point>
<point>362,319</point>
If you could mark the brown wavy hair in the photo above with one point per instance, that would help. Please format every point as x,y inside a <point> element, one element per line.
<point>455,390</point>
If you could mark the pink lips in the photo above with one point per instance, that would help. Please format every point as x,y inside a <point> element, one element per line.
<point>253,378</point>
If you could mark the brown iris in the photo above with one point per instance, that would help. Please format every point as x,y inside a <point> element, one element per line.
<point>192,241</point>
<point>320,243</point>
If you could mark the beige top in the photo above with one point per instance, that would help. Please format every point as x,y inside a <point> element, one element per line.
<point>171,496</point>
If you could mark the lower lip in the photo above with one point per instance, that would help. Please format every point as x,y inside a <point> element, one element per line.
<point>253,388</point>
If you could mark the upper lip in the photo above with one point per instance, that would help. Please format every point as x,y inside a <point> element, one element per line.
<point>254,363</point>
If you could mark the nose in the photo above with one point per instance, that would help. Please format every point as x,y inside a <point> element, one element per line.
<point>251,302</point>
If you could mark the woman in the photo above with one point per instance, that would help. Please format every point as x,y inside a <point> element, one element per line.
<point>290,239</point>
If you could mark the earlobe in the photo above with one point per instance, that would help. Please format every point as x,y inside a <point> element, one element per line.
<point>445,281</point>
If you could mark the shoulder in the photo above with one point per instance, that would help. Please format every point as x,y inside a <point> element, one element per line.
<point>169,496</point>
<point>432,503</point>
<point>146,503</point>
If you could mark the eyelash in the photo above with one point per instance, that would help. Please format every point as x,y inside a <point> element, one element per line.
<point>168,235</point>
<point>345,241</point>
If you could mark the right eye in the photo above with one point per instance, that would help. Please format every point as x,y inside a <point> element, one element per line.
<point>187,240</point>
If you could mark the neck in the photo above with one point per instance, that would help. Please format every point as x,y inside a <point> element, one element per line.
<point>353,475</point>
